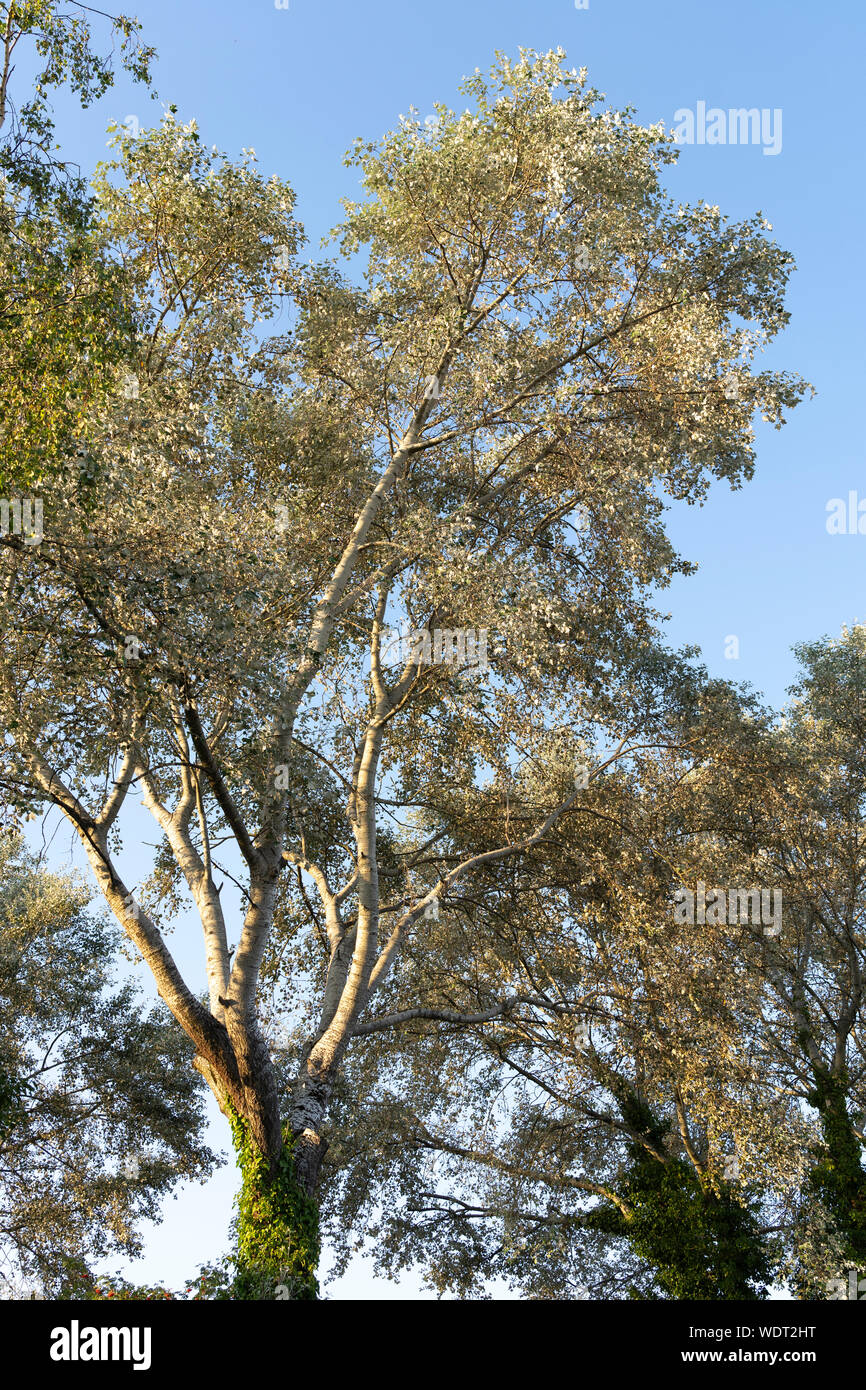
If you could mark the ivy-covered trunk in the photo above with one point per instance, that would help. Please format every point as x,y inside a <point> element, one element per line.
<point>277,1223</point>
<point>701,1243</point>
<point>838,1176</point>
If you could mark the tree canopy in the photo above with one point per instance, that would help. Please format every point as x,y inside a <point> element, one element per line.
<point>350,581</point>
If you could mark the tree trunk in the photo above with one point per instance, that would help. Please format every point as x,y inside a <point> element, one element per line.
<point>276,1226</point>
<point>277,1223</point>
<point>838,1175</point>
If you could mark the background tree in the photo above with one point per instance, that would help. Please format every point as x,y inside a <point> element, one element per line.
<point>791,816</point>
<point>64,324</point>
<point>578,1070</point>
<point>724,1045</point>
<point>101,1114</point>
<point>803,828</point>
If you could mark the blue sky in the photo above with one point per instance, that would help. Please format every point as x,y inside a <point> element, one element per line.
<point>299,84</point>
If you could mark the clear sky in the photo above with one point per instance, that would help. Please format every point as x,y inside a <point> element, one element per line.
<point>298,84</point>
